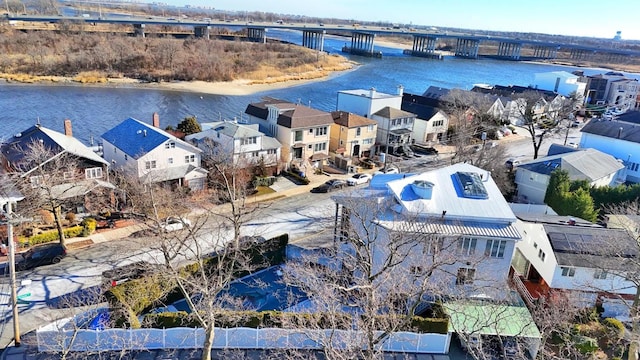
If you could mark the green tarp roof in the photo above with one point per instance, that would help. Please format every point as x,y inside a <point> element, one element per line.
<point>491,319</point>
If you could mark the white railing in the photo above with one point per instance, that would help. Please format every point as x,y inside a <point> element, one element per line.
<point>236,338</point>
<point>522,289</point>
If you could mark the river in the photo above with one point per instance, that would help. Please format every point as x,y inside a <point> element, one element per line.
<point>94,110</point>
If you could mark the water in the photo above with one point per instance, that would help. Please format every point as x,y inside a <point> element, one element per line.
<point>94,110</point>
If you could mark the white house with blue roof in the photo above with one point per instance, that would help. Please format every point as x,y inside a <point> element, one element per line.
<point>461,229</point>
<point>154,155</point>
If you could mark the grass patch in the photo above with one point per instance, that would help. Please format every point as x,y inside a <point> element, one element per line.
<point>264,190</point>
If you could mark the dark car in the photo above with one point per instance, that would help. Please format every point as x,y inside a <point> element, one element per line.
<point>424,150</point>
<point>122,274</point>
<point>333,184</point>
<point>40,255</point>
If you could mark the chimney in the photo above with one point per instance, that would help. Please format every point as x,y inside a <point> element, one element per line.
<point>156,120</point>
<point>620,131</point>
<point>400,90</point>
<point>67,128</point>
<point>372,92</point>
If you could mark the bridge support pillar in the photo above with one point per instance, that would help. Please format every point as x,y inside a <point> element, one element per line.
<point>313,39</point>
<point>257,35</point>
<point>138,30</point>
<point>362,43</point>
<point>510,50</point>
<point>580,54</point>
<point>467,48</point>
<point>202,31</point>
<point>424,46</point>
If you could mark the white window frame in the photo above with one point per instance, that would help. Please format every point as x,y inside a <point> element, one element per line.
<point>600,274</point>
<point>93,173</point>
<point>568,271</point>
<point>151,164</point>
<point>495,248</point>
<point>188,159</point>
<point>467,246</point>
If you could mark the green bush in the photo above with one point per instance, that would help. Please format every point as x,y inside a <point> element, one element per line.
<point>52,235</point>
<point>585,344</point>
<point>264,181</point>
<point>297,177</point>
<point>88,226</point>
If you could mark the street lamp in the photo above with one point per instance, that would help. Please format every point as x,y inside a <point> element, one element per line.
<point>9,201</point>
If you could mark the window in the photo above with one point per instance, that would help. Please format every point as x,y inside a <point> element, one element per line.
<point>367,141</point>
<point>465,276</point>
<point>321,131</point>
<point>297,135</point>
<point>309,146</point>
<point>467,246</point>
<point>255,154</point>
<point>170,161</point>
<point>358,131</point>
<point>249,140</point>
<point>495,248</point>
<point>541,255</point>
<point>416,270</point>
<point>67,175</point>
<point>150,164</point>
<point>169,145</point>
<point>93,173</point>
<point>370,128</point>
<point>438,123</point>
<point>126,157</point>
<point>272,152</point>
<point>433,246</point>
<point>568,271</point>
<point>310,131</point>
<point>36,181</point>
<point>189,159</point>
<point>319,147</point>
<point>600,274</point>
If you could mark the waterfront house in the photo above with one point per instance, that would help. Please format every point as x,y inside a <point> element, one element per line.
<point>395,128</point>
<point>460,229</point>
<point>561,82</point>
<point>566,256</point>
<point>612,89</point>
<point>302,131</point>
<point>367,102</point>
<point>598,168</point>
<point>34,154</point>
<point>431,123</point>
<point>352,135</point>
<point>153,155</point>
<point>240,144</point>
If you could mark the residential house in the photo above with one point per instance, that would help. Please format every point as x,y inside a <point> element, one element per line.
<point>153,155</point>
<point>612,89</point>
<point>395,128</point>
<point>352,135</point>
<point>564,256</point>
<point>241,144</point>
<point>456,212</point>
<point>560,82</point>
<point>431,123</point>
<point>87,173</point>
<point>598,168</point>
<point>620,139</point>
<point>367,102</point>
<point>302,131</point>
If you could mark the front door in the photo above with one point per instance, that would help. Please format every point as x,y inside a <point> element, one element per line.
<point>356,150</point>
<point>297,153</point>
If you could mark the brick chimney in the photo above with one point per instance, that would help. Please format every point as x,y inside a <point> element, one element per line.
<point>156,120</point>
<point>67,128</point>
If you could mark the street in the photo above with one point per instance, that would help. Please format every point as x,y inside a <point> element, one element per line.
<point>46,292</point>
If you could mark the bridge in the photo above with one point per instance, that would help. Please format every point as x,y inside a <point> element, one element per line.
<point>362,37</point>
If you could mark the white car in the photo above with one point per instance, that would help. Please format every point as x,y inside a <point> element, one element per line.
<point>358,179</point>
<point>175,223</point>
<point>388,170</point>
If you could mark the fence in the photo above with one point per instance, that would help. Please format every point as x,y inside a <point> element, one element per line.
<point>81,340</point>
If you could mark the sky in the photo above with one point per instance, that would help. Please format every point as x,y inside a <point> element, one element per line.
<point>594,18</point>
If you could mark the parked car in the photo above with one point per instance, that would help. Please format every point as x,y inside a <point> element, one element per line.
<point>174,223</point>
<point>41,255</point>
<point>388,170</point>
<point>424,150</point>
<point>358,179</point>
<point>329,186</point>
<point>511,164</point>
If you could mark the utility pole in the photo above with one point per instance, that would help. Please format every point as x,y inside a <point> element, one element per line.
<point>12,275</point>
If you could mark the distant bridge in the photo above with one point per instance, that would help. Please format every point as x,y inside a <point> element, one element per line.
<point>362,37</point>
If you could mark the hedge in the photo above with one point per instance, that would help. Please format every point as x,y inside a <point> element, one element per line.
<point>277,319</point>
<point>299,179</point>
<point>52,235</point>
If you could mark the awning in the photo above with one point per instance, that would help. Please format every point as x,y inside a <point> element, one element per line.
<point>400,131</point>
<point>319,156</point>
<point>297,145</point>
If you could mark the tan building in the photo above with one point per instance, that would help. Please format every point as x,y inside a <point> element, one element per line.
<point>302,131</point>
<point>351,134</point>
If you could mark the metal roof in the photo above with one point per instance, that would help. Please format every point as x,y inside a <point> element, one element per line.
<point>477,317</point>
<point>454,228</point>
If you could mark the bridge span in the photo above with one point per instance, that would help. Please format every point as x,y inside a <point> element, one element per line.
<point>425,43</point>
